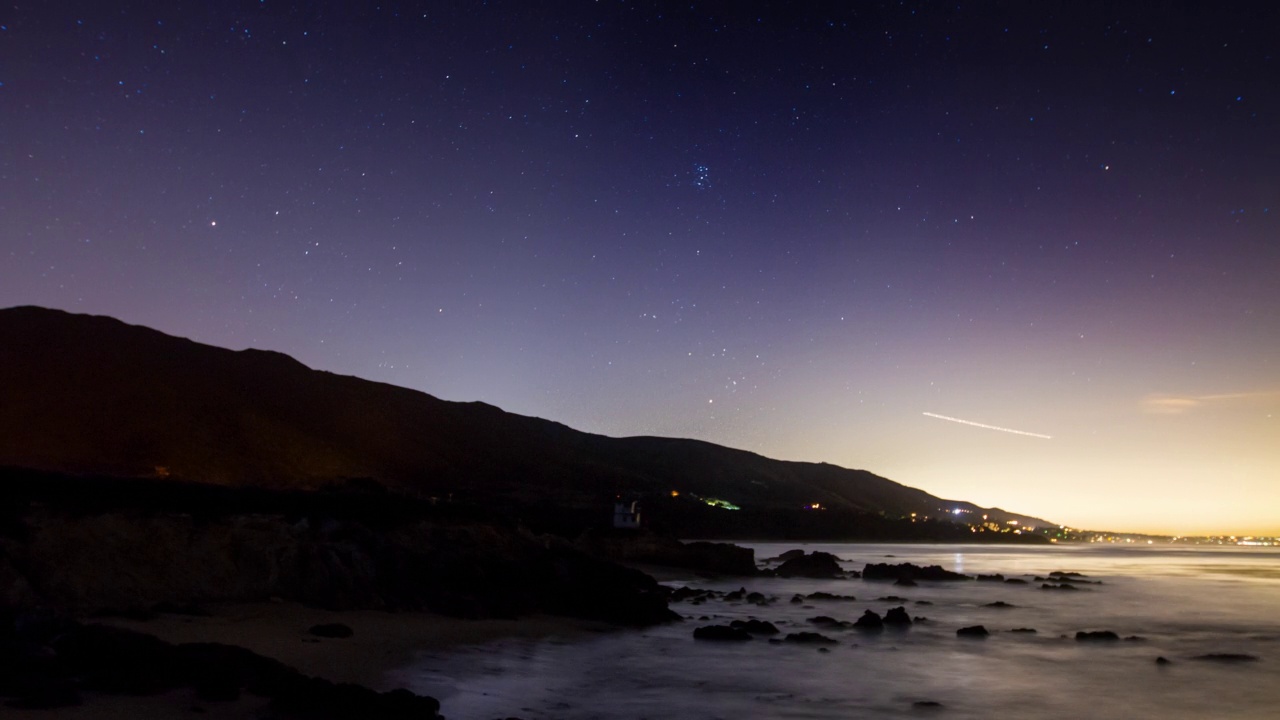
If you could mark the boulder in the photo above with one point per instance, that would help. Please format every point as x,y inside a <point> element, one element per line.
<point>977,631</point>
<point>897,617</point>
<point>870,620</point>
<point>810,638</point>
<point>1096,636</point>
<point>814,565</point>
<point>755,627</point>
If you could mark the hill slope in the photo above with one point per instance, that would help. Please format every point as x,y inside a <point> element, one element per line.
<point>90,394</point>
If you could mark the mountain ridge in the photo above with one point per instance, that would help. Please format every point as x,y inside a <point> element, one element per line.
<point>93,394</point>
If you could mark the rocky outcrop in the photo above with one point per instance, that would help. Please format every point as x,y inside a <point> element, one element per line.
<point>131,561</point>
<point>816,564</point>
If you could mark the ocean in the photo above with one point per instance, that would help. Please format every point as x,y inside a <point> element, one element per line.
<point>1165,601</point>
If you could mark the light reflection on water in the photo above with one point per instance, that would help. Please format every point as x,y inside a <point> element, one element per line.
<point>1181,602</point>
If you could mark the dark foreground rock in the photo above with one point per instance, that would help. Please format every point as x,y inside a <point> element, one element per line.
<point>816,564</point>
<point>1096,636</point>
<point>977,631</point>
<point>133,561</point>
<point>95,658</point>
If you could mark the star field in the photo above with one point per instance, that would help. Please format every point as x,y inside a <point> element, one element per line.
<point>789,228</point>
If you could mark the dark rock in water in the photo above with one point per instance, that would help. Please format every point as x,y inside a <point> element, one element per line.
<point>1096,635</point>
<point>905,582</point>
<point>810,638</point>
<point>1227,657</point>
<point>814,565</point>
<point>738,594</point>
<point>757,598</point>
<point>790,555</point>
<point>755,627</point>
<point>897,617</point>
<point>972,631</point>
<point>823,649</point>
<point>870,620</point>
<point>1023,630</point>
<point>909,571</point>
<point>923,602</point>
<point>332,630</point>
<point>797,599</point>
<point>720,632</point>
<point>999,604</point>
<point>991,578</point>
<point>1015,581</point>
<point>1134,638</point>
<point>926,704</point>
<point>1068,573</point>
<point>825,620</point>
<point>821,595</point>
<point>892,598</point>
<point>1162,660</point>
<point>1064,586</point>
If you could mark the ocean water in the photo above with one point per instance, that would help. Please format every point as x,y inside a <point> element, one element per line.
<point>1181,602</point>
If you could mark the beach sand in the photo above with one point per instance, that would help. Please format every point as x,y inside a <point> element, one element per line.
<point>382,644</point>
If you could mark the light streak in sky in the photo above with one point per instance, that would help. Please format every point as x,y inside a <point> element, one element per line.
<point>990,427</point>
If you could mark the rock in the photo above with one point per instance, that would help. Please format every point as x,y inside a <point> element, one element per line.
<point>720,632</point>
<point>929,704</point>
<point>756,598</point>
<point>895,599</point>
<point>736,595</point>
<point>999,604</point>
<point>331,630</point>
<point>897,617</point>
<point>1063,586</point>
<point>790,555</point>
<point>797,599</point>
<point>755,627</point>
<point>1015,581</point>
<point>1227,657</point>
<point>870,620</point>
<point>1096,636</point>
<point>814,565</point>
<point>905,582</point>
<point>1162,660</point>
<point>1134,638</point>
<point>810,638</point>
<point>972,631</point>
<point>991,578</point>
<point>825,620</point>
<point>821,595</point>
<point>909,571</point>
<point>1023,630</point>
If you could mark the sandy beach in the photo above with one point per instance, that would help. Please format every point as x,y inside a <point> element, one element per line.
<point>381,644</point>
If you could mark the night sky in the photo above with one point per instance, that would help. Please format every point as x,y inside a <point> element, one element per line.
<point>801,229</point>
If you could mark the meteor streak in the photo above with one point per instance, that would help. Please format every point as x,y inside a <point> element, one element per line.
<point>989,427</point>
